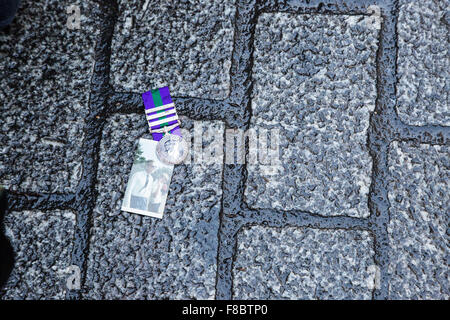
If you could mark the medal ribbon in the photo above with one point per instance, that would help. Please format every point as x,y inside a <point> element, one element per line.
<point>160,112</point>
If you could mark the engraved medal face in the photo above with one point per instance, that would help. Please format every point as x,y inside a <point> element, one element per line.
<point>171,149</point>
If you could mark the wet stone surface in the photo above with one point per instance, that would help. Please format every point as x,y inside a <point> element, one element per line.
<point>423,60</point>
<point>42,242</point>
<point>419,195</point>
<point>46,70</point>
<point>314,79</point>
<point>300,263</point>
<point>186,45</point>
<point>136,257</point>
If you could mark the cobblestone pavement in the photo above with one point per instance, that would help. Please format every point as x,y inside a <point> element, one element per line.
<point>358,209</point>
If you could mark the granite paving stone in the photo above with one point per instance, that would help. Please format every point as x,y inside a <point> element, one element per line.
<point>42,243</point>
<point>314,79</point>
<point>419,194</point>
<point>294,226</point>
<point>423,60</point>
<point>46,70</point>
<point>133,256</point>
<point>184,44</point>
<point>303,263</point>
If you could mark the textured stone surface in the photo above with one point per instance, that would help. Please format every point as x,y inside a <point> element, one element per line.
<point>44,92</point>
<point>184,44</point>
<point>42,243</point>
<point>299,263</point>
<point>315,79</point>
<point>419,194</point>
<point>423,60</point>
<point>133,256</point>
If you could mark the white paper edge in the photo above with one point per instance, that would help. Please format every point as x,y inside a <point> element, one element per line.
<point>143,212</point>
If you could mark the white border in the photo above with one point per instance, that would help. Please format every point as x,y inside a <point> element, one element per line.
<point>143,212</point>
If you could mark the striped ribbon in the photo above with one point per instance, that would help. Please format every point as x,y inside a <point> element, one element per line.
<point>160,111</point>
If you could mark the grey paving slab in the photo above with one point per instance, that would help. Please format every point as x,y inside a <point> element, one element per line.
<point>423,60</point>
<point>314,79</point>
<point>301,263</point>
<point>133,256</point>
<point>186,45</point>
<point>42,243</point>
<point>44,92</point>
<point>419,194</point>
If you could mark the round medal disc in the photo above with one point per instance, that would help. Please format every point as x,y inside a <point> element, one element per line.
<point>171,149</point>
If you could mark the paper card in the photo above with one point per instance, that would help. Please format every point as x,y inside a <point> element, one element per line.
<point>149,182</point>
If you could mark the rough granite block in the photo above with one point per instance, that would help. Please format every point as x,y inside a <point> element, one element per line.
<point>184,44</point>
<point>138,257</point>
<point>301,263</point>
<point>44,92</point>
<point>423,62</point>
<point>42,243</point>
<point>419,195</point>
<point>314,79</point>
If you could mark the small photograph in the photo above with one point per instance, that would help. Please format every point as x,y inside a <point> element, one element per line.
<point>149,182</point>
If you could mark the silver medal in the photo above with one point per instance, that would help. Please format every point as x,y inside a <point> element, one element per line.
<point>171,149</point>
